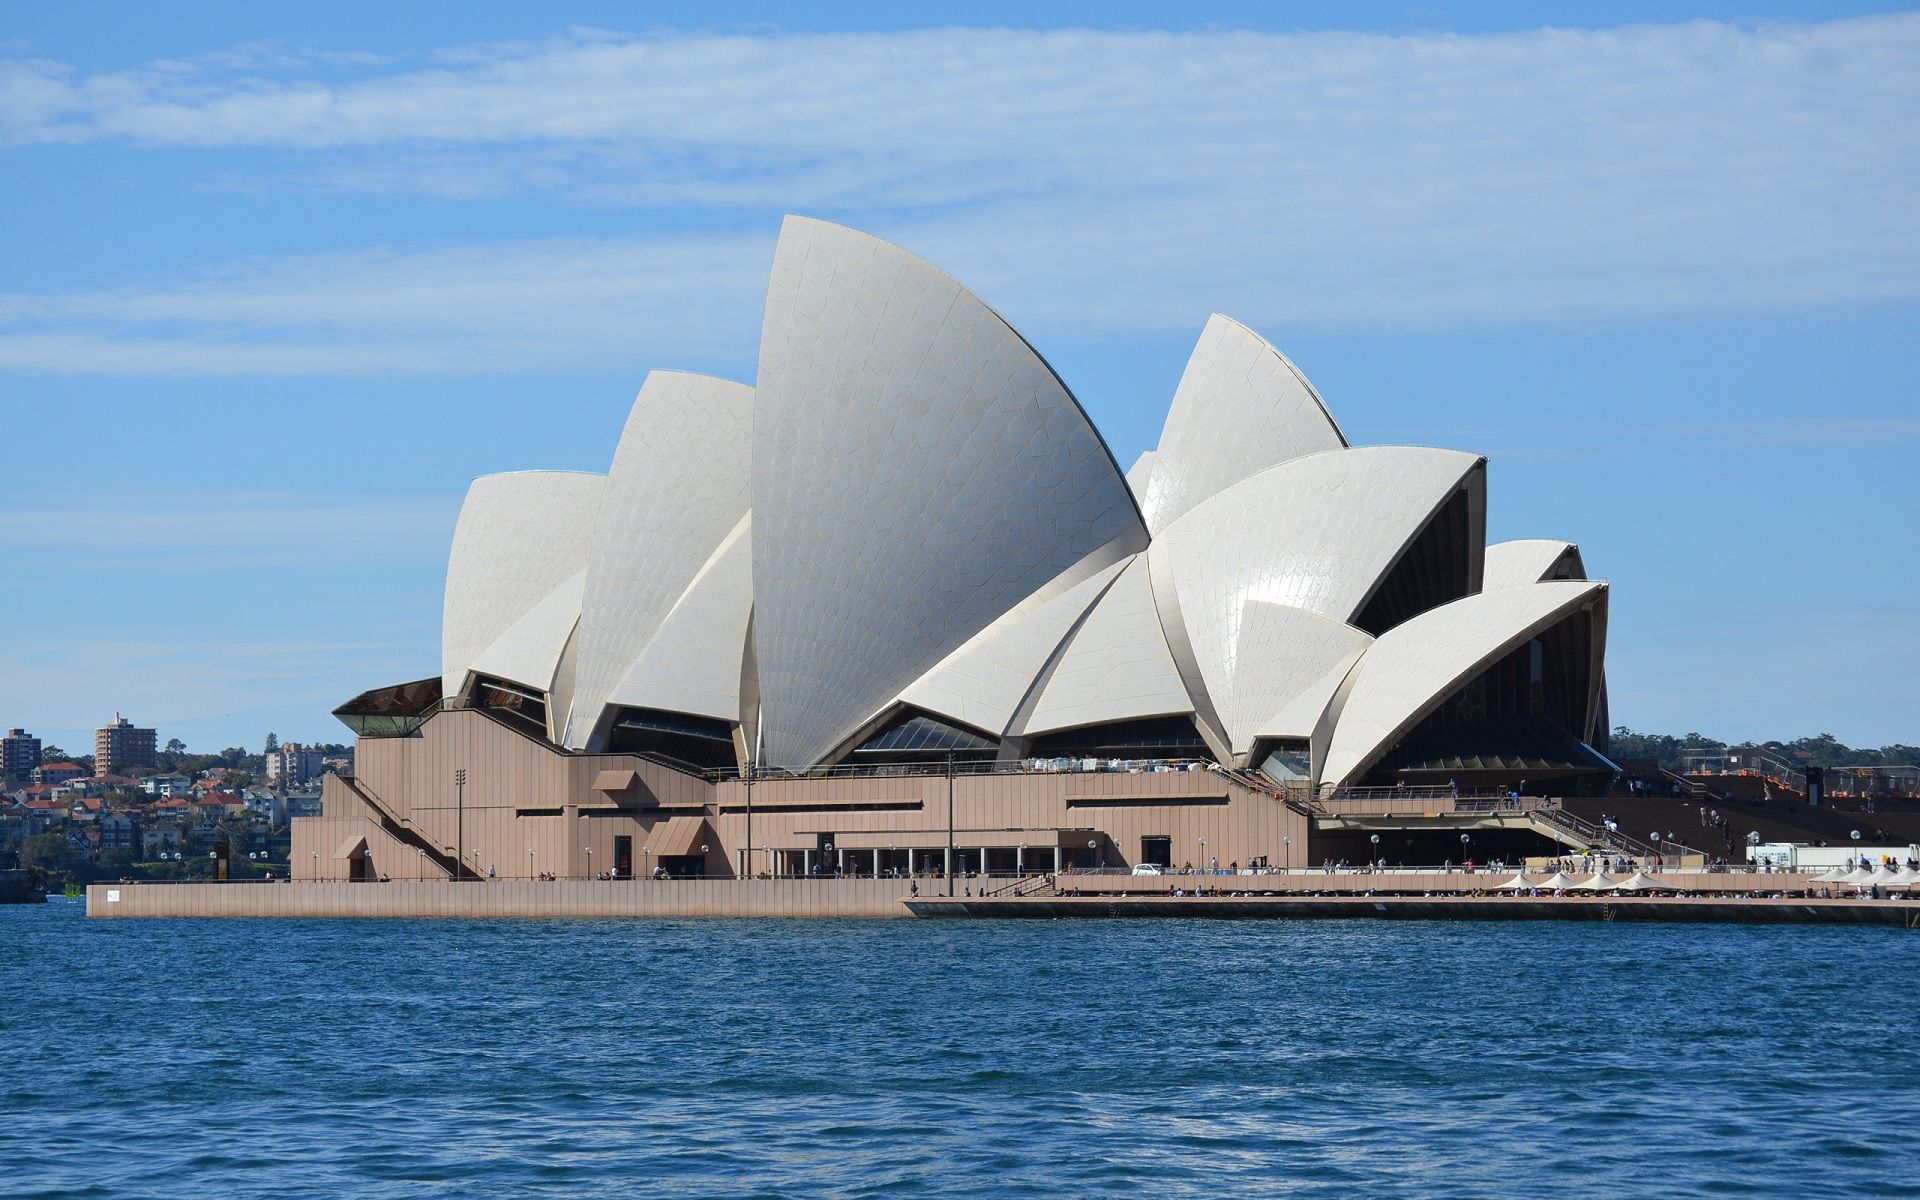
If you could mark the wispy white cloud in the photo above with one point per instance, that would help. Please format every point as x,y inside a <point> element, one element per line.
<point>1098,181</point>
<point>527,305</point>
<point>195,533</point>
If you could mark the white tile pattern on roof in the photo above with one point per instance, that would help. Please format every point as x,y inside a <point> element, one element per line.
<point>1281,652</point>
<point>1316,533</point>
<point>520,535</point>
<point>679,485</point>
<point>692,665</point>
<point>1299,717</point>
<point>917,470</point>
<point>1531,560</point>
<point>1411,669</point>
<point>983,682</point>
<point>1116,667</point>
<point>528,652</point>
<point>1241,407</point>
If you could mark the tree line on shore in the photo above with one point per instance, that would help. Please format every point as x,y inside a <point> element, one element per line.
<point>1820,750</point>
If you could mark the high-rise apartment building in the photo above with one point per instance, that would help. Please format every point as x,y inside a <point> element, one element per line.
<point>19,753</point>
<point>291,764</point>
<point>121,744</point>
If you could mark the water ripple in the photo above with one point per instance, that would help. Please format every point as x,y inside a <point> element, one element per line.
<point>884,1058</point>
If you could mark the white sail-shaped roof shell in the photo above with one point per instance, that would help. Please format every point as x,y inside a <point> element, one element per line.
<point>1411,669</point>
<point>1282,654</point>
<point>1317,534</point>
<point>678,487</point>
<point>1116,667</point>
<point>693,663</point>
<point>521,536</point>
<point>1531,560</point>
<point>918,470</point>
<point>529,650</point>
<point>983,682</point>
<point>1241,407</point>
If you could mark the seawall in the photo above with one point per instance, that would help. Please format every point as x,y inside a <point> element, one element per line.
<point>508,898</point>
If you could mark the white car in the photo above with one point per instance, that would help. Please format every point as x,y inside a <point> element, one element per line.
<point>1145,869</point>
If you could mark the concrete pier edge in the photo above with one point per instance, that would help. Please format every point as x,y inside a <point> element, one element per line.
<point>790,898</point>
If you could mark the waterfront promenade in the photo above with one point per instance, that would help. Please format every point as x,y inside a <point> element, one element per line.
<point>1745,910</point>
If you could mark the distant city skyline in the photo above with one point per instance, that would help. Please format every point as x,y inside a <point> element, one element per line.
<point>281,282</point>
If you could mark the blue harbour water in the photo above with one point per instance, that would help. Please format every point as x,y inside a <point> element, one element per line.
<point>864,1058</point>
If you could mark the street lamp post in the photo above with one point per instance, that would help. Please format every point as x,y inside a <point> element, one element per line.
<point>1202,868</point>
<point>1464,839</point>
<point>589,850</point>
<point>460,821</point>
<point>1375,839</point>
<point>1093,845</point>
<point>1288,843</point>
<point>704,848</point>
<point>949,823</point>
<point>646,861</point>
<point>746,850</point>
<point>529,862</point>
<point>316,865</point>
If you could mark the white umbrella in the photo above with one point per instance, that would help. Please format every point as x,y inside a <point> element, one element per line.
<point>1513,885</point>
<point>1833,876</point>
<point>1642,882</point>
<point>1599,883</point>
<point>1555,882</point>
<point>1859,878</point>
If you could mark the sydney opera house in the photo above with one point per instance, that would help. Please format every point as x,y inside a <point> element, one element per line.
<point>894,606</point>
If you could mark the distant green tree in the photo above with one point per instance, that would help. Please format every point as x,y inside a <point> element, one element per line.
<point>117,863</point>
<point>52,860</point>
<point>1820,750</point>
<point>273,743</point>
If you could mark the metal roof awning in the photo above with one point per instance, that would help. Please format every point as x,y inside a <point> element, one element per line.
<point>677,836</point>
<point>615,780</point>
<point>357,844</point>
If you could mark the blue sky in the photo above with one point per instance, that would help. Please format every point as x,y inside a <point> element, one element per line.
<point>277,281</point>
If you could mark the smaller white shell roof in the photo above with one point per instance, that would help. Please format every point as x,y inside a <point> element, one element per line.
<point>678,487</point>
<point>1415,666</point>
<point>1116,667</point>
<point>520,536</point>
<point>692,665</point>
<point>1240,408</point>
<point>1531,560</point>
<point>528,653</point>
<point>1299,718</point>
<point>1280,655</point>
<point>983,682</point>
<point>1316,533</point>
